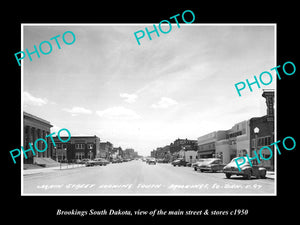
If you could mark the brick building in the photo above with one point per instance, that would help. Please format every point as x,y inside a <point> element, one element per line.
<point>265,136</point>
<point>179,144</point>
<point>78,147</point>
<point>106,149</point>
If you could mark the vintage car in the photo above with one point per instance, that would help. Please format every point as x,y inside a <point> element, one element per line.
<point>212,165</point>
<point>101,162</point>
<point>162,160</point>
<point>97,161</point>
<point>115,160</point>
<point>179,162</point>
<point>247,171</point>
<point>196,164</point>
<point>81,161</point>
<point>90,163</point>
<point>151,161</point>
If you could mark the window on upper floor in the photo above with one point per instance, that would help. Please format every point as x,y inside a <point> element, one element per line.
<point>90,146</point>
<point>79,146</point>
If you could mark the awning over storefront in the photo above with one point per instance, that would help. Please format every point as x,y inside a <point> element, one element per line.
<point>206,153</point>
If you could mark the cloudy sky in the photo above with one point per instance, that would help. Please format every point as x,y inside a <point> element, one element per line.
<point>178,85</point>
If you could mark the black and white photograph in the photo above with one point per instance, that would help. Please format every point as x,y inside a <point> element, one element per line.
<point>131,109</point>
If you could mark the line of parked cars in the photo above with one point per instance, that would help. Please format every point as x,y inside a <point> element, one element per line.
<point>97,162</point>
<point>215,164</point>
<point>100,161</point>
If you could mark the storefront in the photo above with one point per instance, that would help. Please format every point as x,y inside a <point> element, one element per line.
<point>206,154</point>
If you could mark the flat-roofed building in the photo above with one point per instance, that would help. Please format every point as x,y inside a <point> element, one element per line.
<point>207,143</point>
<point>35,128</point>
<point>78,147</point>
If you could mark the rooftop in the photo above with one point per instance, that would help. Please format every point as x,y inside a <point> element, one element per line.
<point>26,114</point>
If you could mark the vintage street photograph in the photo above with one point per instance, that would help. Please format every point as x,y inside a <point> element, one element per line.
<point>158,116</point>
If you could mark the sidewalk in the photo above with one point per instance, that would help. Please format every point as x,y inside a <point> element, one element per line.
<point>52,169</point>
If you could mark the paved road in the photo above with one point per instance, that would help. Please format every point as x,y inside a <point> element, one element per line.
<point>137,177</point>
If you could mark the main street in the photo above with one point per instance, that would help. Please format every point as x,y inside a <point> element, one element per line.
<point>137,177</point>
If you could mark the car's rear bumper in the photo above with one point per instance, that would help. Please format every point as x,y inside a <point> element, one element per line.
<point>235,172</point>
<point>205,168</point>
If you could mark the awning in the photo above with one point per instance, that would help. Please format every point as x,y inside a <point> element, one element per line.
<point>207,152</point>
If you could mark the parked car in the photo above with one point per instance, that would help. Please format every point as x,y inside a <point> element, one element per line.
<point>90,163</point>
<point>63,161</point>
<point>212,165</point>
<point>151,161</point>
<point>166,161</point>
<point>149,158</point>
<point>97,161</point>
<point>196,164</point>
<point>160,160</point>
<point>246,169</point>
<point>101,161</point>
<point>81,161</point>
<point>179,162</point>
<point>115,161</point>
<point>189,164</point>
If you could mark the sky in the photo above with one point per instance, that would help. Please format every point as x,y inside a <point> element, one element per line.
<point>177,85</point>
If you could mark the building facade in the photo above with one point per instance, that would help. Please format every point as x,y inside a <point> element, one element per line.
<point>241,138</point>
<point>35,128</point>
<point>179,144</point>
<point>207,144</point>
<point>129,153</point>
<point>188,155</point>
<point>117,153</point>
<point>235,143</point>
<point>106,149</point>
<point>78,147</point>
<point>265,135</point>
<point>162,153</point>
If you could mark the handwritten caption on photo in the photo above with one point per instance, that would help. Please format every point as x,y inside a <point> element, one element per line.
<point>172,187</point>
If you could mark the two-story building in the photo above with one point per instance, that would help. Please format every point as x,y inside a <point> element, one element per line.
<point>264,136</point>
<point>106,149</point>
<point>78,147</point>
<point>207,143</point>
<point>235,143</point>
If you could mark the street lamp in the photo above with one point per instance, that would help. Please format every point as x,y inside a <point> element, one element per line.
<point>256,131</point>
